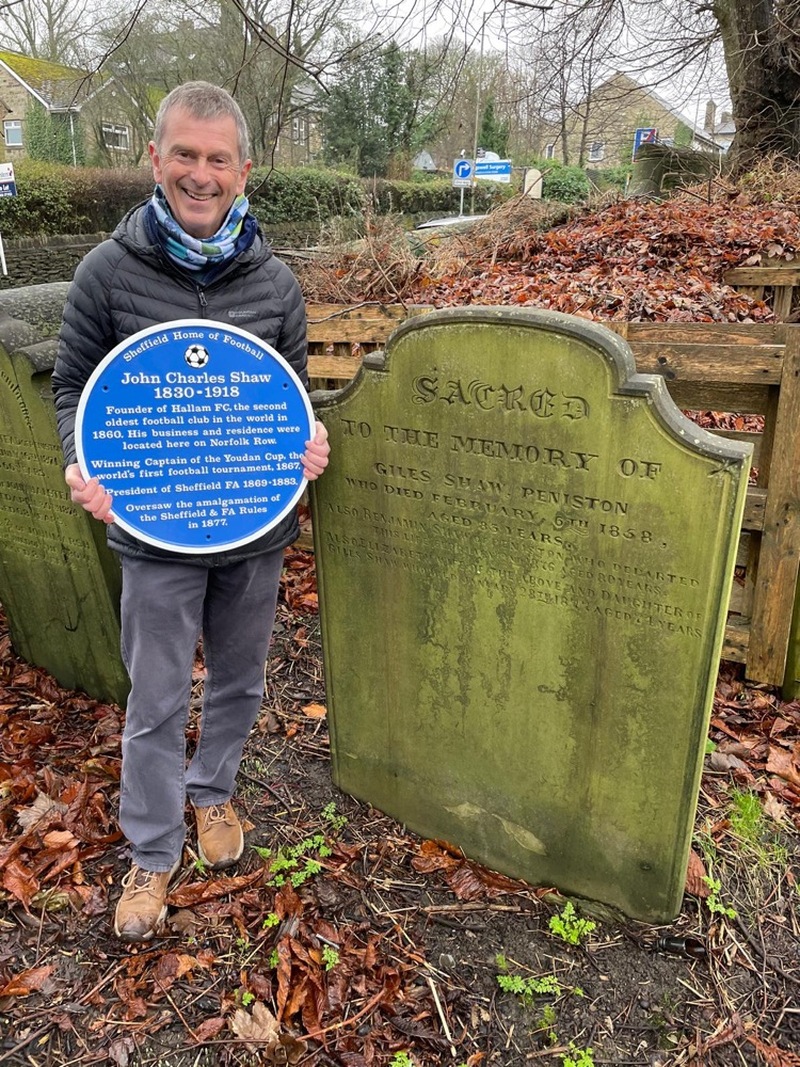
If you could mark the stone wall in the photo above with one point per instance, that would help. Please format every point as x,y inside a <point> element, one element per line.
<point>36,260</point>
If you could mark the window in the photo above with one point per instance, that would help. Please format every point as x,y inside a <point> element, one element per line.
<point>549,150</point>
<point>597,151</point>
<point>299,130</point>
<point>12,133</point>
<point>116,137</point>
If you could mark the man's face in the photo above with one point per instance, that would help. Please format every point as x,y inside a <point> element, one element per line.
<point>198,168</point>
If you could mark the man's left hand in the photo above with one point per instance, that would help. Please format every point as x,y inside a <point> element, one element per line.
<point>315,457</point>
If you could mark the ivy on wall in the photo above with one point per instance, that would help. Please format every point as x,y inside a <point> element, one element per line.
<point>53,137</point>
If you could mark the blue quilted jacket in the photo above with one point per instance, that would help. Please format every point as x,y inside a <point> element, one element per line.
<point>127,284</point>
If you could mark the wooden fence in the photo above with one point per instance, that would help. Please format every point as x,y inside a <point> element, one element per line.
<point>745,368</point>
<point>779,285</point>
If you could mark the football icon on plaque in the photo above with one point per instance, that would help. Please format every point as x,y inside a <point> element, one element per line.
<point>196,429</point>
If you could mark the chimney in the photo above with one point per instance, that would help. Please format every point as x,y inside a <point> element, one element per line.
<point>711,111</point>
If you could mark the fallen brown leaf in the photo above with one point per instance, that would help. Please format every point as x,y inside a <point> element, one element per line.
<point>38,810</point>
<point>772,1055</point>
<point>723,761</point>
<point>695,875</point>
<point>26,982</point>
<point>261,1032</point>
<point>209,1029</point>
<point>20,882</point>
<point>261,1026</point>
<point>60,839</point>
<point>775,808</point>
<point>784,764</point>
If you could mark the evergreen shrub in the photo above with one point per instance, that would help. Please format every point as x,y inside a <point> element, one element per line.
<point>44,202</point>
<point>562,182</point>
<point>436,196</point>
<point>304,194</point>
<point>53,199</point>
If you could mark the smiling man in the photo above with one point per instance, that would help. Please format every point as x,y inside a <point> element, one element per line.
<point>193,250</point>
<point>198,165</point>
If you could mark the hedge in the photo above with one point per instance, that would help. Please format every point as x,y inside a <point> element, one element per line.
<point>53,199</point>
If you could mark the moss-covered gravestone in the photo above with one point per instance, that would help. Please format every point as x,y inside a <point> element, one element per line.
<point>59,584</point>
<point>524,557</point>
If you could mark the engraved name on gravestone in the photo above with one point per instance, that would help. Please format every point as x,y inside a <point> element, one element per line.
<point>197,431</point>
<point>524,556</point>
<point>59,584</point>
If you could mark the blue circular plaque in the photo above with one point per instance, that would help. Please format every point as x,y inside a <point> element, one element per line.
<point>196,429</point>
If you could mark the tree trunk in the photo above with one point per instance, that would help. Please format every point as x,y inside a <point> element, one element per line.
<point>761,42</point>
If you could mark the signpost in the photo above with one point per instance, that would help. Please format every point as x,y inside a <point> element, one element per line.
<point>463,170</point>
<point>196,429</point>
<point>494,170</point>
<point>8,187</point>
<point>644,135</point>
<point>463,178</point>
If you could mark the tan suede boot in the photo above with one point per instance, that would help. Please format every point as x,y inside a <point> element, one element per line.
<point>220,840</point>
<point>143,905</point>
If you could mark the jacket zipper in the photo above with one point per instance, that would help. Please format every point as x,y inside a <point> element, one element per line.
<point>201,296</point>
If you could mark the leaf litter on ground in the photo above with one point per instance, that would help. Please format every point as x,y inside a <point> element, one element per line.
<point>344,939</point>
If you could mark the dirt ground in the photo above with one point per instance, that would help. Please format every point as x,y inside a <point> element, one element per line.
<point>353,942</point>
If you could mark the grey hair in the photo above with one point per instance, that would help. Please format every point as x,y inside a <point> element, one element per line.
<point>203,101</point>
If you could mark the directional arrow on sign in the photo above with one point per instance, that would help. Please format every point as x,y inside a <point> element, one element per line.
<point>463,170</point>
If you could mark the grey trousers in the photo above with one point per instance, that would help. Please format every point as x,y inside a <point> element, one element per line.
<point>165,607</point>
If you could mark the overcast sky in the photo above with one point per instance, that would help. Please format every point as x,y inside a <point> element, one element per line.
<point>510,27</point>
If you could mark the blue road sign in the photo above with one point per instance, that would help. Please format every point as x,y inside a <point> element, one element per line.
<point>463,170</point>
<point>196,429</point>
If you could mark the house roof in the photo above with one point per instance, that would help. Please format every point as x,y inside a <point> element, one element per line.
<point>54,85</point>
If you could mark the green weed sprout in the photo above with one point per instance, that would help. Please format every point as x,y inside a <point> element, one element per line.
<point>527,989</point>
<point>577,1057</point>
<point>330,957</point>
<point>548,1022</point>
<point>286,864</point>
<point>401,1059</point>
<point>569,926</point>
<point>749,825</point>
<point>713,902</point>
<point>335,821</point>
<point>746,817</point>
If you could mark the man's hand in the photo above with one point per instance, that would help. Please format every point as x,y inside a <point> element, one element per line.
<point>315,457</point>
<point>91,496</point>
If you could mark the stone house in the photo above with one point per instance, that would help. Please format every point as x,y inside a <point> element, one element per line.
<point>101,123</point>
<point>96,121</point>
<point>600,132</point>
<point>299,141</point>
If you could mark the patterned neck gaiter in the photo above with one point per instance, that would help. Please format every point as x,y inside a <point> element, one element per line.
<point>190,252</point>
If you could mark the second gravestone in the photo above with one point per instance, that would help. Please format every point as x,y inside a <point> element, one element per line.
<point>524,556</point>
<point>59,584</point>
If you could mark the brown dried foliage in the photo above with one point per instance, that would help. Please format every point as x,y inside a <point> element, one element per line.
<point>635,260</point>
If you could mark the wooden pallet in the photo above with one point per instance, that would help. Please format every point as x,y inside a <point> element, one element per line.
<point>746,368</point>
